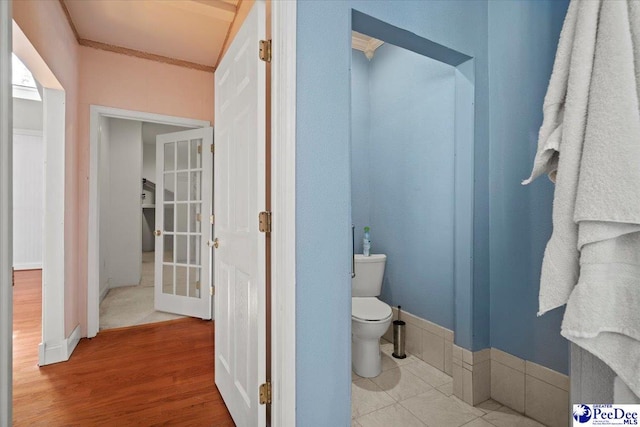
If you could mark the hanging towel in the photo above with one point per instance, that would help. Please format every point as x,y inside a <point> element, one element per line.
<point>560,148</point>
<point>592,261</point>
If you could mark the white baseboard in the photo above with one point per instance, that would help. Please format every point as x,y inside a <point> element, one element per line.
<point>28,266</point>
<point>59,351</point>
<point>103,292</point>
<point>73,341</point>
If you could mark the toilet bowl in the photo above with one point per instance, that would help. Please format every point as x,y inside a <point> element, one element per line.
<point>370,317</point>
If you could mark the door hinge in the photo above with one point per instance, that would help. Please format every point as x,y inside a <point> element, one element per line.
<point>265,393</point>
<point>212,291</point>
<point>212,148</point>
<point>265,50</point>
<point>212,219</point>
<point>264,222</point>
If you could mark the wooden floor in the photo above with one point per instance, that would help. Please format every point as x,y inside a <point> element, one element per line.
<point>158,374</point>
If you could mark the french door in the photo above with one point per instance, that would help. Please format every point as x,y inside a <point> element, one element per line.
<point>183,228</point>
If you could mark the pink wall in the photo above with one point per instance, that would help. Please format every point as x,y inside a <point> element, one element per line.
<point>90,76</point>
<point>120,81</point>
<point>46,27</point>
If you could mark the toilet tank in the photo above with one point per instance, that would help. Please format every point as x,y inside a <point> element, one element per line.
<point>369,273</point>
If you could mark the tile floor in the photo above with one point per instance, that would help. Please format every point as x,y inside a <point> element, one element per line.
<point>410,392</point>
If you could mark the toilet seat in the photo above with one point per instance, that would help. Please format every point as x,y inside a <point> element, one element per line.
<point>369,309</point>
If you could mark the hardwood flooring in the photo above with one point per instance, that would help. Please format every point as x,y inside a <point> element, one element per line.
<point>156,374</point>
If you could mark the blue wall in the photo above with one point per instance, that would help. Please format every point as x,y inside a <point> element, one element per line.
<point>323,199</point>
<point>323,211</point>
<point>523,37</point>
<point>402,175</point>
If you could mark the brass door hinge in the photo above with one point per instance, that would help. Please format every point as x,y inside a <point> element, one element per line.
<point>264,222</point>
<point>265,393</point>
<point>200,148</point>
<point>212,291</point>
<point>265,50</point>
<point>212,148</point>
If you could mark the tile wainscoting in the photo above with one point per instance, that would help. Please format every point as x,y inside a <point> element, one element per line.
<point>526,387</point>
<point>426,340</point>
<point>529,388</point>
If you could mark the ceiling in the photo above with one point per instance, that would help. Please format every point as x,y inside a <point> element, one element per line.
<point>190,32</point>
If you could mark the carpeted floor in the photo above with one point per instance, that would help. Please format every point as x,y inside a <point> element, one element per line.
<point>133,305</point>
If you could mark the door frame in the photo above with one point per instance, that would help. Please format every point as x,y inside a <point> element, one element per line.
<point>6,207</point>
<point>54,346</point>
<point>283,203</point>
<point>93,258</point>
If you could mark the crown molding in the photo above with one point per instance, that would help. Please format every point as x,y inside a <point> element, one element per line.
<point>132,52</point>
<point>145,55</point>
<point>364,43</point>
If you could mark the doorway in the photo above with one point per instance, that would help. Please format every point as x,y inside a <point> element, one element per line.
<point>28,212</point>
<point>56,345</point>
<point>99,279</point>
<point>128,179</point>
<point>28,168</point>
<point>411,144</point>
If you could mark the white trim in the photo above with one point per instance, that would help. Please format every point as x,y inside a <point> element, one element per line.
<point>283,198</point>
<point>25,92</point>
<point>27,132</point>
<point>73,341</point>
<point>6,210</point>
<point>93,259</point>
<point>58,351</point>
<point>28,266</point>
<point>53,246</point>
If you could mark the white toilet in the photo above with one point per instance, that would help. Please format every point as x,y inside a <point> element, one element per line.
<point>370,317</point>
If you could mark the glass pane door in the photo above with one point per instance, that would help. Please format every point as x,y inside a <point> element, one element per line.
<point>183,204</point>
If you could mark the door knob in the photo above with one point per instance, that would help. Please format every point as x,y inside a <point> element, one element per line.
<point>157,233</point>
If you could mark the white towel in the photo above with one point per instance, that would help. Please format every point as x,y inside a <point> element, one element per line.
<point>560,147</point>
<point>592,262</point>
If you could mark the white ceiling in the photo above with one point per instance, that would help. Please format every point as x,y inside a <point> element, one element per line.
<point>187,30</point>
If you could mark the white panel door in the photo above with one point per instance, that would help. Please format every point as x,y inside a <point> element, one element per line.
<point>183,229</point>
<point>239,196</point>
